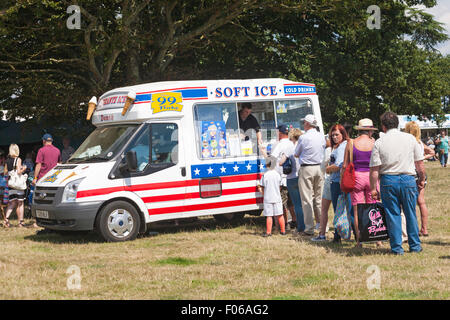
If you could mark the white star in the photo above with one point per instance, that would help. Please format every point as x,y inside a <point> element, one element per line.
<point>236,168</point>
<point>261,167</point>
<point>249,167</point>
<point>210,170</point>
<point>197,172</point>
<point>223,169</point>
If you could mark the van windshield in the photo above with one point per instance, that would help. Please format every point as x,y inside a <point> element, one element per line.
<point>103,143</point>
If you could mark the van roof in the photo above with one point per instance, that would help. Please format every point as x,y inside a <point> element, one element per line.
<point>173,85</point>
<point>167,98</point>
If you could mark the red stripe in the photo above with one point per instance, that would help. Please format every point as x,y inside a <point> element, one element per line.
<point>206,206</point>
<point>98,192</point>
<point>195,195</point>
<point>163,185</point>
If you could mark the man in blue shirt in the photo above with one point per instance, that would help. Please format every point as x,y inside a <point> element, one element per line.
<point>310,151</point>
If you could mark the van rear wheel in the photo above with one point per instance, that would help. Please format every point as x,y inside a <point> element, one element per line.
<point>118,221</point>
<point>229,217</point>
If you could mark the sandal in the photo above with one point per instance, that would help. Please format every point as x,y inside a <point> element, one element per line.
<point>6,223</point>
<point>21,224</point>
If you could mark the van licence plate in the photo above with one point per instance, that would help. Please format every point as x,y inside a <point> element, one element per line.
<point>42,214</point>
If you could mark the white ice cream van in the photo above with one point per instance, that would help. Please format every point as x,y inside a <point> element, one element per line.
<point>176,152</point>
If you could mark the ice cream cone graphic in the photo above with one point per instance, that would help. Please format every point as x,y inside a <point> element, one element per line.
<point>130,100</point>
<point>92,106</point>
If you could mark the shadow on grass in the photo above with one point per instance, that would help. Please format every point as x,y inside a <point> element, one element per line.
<point>204,224</point>
<point>60,237</point>
<point>154,229</point>
<point>348,247</point>
<point>437,243</point>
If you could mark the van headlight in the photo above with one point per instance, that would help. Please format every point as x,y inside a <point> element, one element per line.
<point>70,191</point>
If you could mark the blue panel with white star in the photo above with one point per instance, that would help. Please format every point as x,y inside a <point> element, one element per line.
<point>227,168</point>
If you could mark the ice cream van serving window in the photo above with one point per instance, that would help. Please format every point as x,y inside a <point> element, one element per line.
<point>216,130</point>
<point>217,126</point>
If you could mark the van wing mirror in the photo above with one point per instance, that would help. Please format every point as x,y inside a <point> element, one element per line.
<point>131,160</point>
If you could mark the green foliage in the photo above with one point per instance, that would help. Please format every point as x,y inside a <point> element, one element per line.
<point>47,70</point>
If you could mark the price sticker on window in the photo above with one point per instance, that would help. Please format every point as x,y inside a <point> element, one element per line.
<point>167,101</point>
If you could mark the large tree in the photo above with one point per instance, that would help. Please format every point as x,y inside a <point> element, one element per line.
<point>46,69</point>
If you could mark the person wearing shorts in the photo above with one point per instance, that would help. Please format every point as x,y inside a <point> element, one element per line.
<point>273,205</point>
<point>16,197</point>
<point>361,147</point>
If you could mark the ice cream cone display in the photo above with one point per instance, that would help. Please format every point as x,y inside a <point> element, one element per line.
<point>130,100</point>
<point>92,106</point>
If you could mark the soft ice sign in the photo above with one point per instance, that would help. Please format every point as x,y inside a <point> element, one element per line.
<point>265,91</point>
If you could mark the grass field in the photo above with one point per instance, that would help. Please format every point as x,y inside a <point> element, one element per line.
<point>208,260</point>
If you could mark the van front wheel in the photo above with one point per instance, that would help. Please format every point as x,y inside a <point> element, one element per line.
<point>118,221</point>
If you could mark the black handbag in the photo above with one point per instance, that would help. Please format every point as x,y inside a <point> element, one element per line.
<point>287,166</point>
<point>372,224</point>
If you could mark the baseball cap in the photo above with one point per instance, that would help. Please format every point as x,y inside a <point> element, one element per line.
<point>47,137</point>
<point>283,128</point>
<point>310,119</point>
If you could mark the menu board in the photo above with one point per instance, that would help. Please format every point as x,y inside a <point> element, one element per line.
<point>213,139</point>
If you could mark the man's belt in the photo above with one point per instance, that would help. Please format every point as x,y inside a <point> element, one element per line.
<point>309,164</point>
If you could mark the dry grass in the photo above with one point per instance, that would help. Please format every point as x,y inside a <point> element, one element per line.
<point>207,260</point>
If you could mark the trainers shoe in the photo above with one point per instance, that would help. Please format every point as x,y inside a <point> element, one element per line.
<point>266,234</point>
<point>283,233</point>
<point>319,238</point>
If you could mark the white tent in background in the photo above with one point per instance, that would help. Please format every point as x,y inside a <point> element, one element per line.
<point>426,124</point>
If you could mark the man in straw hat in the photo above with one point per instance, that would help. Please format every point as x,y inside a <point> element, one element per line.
<point>310,151</point>
<point>395,158</point>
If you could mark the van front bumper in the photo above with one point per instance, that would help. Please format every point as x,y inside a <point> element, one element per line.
<point>76,216</point>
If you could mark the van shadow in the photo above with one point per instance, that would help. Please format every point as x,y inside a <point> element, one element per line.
<point>58,237</point>
<point>154,229</point>
<point>195,225</point>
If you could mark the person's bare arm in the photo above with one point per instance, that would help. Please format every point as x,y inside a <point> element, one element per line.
<point>429,153</point>
<point>374,175</point>
<point>36,172</point>
<point>420,168</point>
<point>20,168</point>
<point>346,157</point>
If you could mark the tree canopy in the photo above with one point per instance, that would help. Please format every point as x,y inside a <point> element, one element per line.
<point>47,69</point>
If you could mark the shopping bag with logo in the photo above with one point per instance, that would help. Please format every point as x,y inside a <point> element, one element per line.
<point>17,181</point>
<point>342,218</point>
<point>372,222</point>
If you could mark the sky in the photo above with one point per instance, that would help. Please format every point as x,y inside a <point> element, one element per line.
<point>441,13</point>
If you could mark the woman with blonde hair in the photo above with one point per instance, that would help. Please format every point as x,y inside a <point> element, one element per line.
<point>16,197</point>
<point>414,129</point>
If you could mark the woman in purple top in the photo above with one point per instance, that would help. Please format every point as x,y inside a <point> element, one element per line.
<point>362,149</point>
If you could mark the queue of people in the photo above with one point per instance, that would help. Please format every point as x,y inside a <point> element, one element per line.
<point>13,198</point>
<point>389,169</point>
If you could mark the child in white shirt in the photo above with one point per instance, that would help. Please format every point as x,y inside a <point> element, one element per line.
<point>270,188</point>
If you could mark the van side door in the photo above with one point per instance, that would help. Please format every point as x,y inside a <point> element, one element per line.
<point>160,177</point>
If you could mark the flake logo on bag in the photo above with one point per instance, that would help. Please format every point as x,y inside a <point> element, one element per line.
<point>377,222</point>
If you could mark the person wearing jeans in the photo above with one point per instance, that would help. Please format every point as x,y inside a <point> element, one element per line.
<point>442,141</point>
<point>400,191</point>
<point>292,182</point>
<point>338,141</point>
<point>395,158</point>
